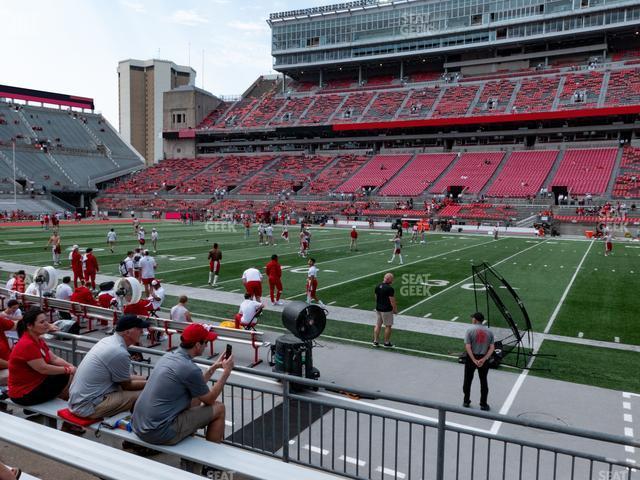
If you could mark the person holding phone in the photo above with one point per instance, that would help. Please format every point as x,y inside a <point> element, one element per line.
<point>177,399</point>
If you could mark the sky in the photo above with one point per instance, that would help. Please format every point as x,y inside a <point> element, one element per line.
<point>74,46</point>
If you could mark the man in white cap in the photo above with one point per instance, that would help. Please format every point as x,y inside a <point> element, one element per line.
<point>157,295</point>
<point>354,239</point>
<point>147,270</point>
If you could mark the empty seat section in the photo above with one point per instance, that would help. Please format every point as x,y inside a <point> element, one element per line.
<point>418,176</point>
<point>353,107</point>
<point>227,173</point>
<point>472,171</point>
<point>336,174</point>
<point>375,173</point>
<point>322,109</point>
<point>60,128</point>
<point>12,127</point>
<point>419,103</point>
<point>210,120</point>
<point>494,98</point>
<point>581,90</point>
<point>292,110</point>
<point>259,117</point>
<point>456,101</point>
<point>239,110</point>
<point>523,174</point>
<point>586,170</point>
<point>624,88</point>
<point>628,180</point>
<point>289,173</point>
<point>536,94</point>
<point>386,105</point>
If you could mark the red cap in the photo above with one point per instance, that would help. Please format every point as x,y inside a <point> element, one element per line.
<point>197,333</point>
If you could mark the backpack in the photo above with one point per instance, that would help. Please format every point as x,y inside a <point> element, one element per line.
<point>123,268</point>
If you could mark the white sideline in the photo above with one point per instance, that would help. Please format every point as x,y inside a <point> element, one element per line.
<point>506,406</point>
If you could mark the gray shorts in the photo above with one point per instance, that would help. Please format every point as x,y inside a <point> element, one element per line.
<point>4,376</point>
<point>189,422</point>
<point>385,318</point>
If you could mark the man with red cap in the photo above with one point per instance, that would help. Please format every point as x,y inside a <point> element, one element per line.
<point>178,398</point>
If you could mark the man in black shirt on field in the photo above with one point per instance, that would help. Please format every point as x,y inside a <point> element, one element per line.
<point>385,308</point>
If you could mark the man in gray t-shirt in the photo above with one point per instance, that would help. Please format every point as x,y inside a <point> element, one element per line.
<point>478,344</point>
<point>164,413</point>
<point>103,385</point>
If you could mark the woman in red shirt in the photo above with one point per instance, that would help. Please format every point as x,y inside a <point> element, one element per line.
<point>36,375</point>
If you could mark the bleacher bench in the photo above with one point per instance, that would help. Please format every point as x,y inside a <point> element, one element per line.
<point>105,316</point>
<point>192,450</point>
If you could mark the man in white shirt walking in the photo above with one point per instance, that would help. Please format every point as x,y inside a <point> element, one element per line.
<point>147,270</point>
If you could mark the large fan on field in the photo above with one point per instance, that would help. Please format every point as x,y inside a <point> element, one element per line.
<point>46,278</point>
<point>128,290</point>
<point>505,314</point>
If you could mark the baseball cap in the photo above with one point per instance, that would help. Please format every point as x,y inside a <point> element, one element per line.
<point>353,226</point>
<point>130,321</point>
<point>155,282</point>
<point>197,333</point>
<point>75,246</point>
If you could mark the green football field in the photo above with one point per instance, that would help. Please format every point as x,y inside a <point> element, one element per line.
<point>597,301</point>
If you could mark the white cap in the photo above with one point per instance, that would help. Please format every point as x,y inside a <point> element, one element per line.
<point>146,252</point>
<point>155,283</point>
<point>353,226</point>
<point>75,247</point>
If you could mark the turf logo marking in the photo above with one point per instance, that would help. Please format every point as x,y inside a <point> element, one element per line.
<point>16,243</point>
<point>174,258</point>
<point>220,227</point>
<point>419,284</point>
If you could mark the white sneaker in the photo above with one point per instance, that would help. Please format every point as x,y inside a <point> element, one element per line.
<point>279,302</point>
<point>390,261</point>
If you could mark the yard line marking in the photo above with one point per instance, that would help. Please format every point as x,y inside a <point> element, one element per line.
<point>353,306</point>
<point>427,315</point>
<point>187,284</point>
<point>394,268</point>
<point>468,278</point>
<point>352,460</point>
<point>234,291</point>
<point>628,418</point>
<point>626,405</point>
<point>580,334</point>
<point>566,291</point>
<point>318,450</point>
<point>616,339</point>
<point>390,472</point>
<point>331,303</point>
<point>454,319</point>
<point>522,377</point>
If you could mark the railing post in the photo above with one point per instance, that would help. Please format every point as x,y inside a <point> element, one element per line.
<point>442,419</point>
<point>285,420</point>
<point>74,352</point>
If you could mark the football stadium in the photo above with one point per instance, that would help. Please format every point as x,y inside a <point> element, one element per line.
<point>300,281</point>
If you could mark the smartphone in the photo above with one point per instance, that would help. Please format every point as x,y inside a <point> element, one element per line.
<point>227,352</point>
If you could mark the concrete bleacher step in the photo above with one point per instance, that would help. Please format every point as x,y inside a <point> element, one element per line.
<point>57,164</point>
<point>556,99</point>
<point>554,170</point>
<point>614,173</point>
<point>303,115</point>
<point>326,167</point>
<point>199,172</point>
<point>496,174</point>
<point>338,108</point>
<point>97,141</point>
<point>9,162</point>
<point>605,87</point>
<point>514,96</point>
<point>404,167</point>
<point>444,173</point>
<point>436,102</point>
<point>278,115</point>
<point>475,100</point>
<point>368,107</point>
<point>403,105</point>
<point>23,117</point>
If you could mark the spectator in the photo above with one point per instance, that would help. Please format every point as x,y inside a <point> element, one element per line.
<point>6,324</point>
<point>36,375</point>
<point>103,385</point>
<point>250,310</point>
<point>107,294</point>
<point>13,310</point>
<point>83,295</point>
<point>179,312</point>
<point>177,401</point>
<point>385,308</point>
<point>64,291</point>
<point>157,295</point>
<point>76,265</point>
